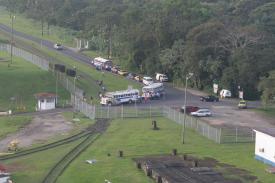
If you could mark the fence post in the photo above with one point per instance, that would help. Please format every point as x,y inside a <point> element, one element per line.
<point>220,135</point>
<point>122,111</point>
<point>94,112</point>
<point>252,133</point>
<point>136,109</point>
<point>236,134</point>
<point>216,135</point>
<point>208,131</point>
<point>108,114</point>
<point>179,119</point>
<point>150,111</point>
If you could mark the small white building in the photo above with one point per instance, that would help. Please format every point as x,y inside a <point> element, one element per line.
<point>45,101</point>
<point>265,146</point>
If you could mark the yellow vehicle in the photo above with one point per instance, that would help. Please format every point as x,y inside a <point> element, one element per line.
<point>13,146</point>
<point>122,72</point>
<point>242,104</point>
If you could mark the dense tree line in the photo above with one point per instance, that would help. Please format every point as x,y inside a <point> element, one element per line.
<point>229,41</point>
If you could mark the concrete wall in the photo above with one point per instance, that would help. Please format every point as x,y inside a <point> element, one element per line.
<point>265,148</point>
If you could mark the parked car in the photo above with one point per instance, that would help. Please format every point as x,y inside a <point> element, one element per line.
<point>147,80</point>
<point>225,93</point>
<point>58,46</point>
<point>122,72</point>
<point>138,78</point>
<point>115,69</point>
<point>189,109</point>
<point>202,113</point>
<point>130,76</point>
<point>161,77</point>
<point>242,104</point>
<point>209,98</point>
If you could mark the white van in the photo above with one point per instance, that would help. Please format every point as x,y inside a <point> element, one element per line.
<point>161,77</point>
<point>147,80</point>
<point>225,93</point>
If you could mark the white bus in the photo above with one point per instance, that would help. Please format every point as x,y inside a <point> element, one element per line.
<point>120,97</point>
<point>155,90</point>
<point>102,62</point>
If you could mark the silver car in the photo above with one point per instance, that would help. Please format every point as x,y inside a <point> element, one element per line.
<point>202,113</point>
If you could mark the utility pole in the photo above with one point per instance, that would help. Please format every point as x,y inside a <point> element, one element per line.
<point>12,38</point>
<point>189,75</point>
<point>75,78</point>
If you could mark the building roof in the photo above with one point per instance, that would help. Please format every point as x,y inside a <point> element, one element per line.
<point>268,131</point>
<point>45,95</point>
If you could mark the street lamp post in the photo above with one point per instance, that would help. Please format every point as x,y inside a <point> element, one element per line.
<point>189,75</point>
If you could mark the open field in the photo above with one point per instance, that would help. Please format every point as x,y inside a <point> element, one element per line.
<point>33,27</point>
<point>12,124</point>
<point>136,139</point>
<point>20,82</point>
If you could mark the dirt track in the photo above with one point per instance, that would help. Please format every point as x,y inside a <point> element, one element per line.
<point>42,127</point>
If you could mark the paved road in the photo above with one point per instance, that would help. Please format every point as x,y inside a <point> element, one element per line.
<point>222,110</point>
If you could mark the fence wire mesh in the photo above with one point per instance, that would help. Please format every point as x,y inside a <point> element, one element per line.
<point>40,62</point>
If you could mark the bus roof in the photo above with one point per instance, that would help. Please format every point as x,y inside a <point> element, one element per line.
<point>154,85</point>
<point>123,92</point>
<point>102,60</point>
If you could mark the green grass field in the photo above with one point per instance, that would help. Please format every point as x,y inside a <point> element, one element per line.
<point>32,27</point>
<point>135,138</point>
<point>20,82</point>
<point>10,124</point>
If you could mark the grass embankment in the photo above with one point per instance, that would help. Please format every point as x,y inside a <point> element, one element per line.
<point>33,27</point>
<point>33,168</point>
<point>10,124</point>
<point>21,81</point>
<point>135,138</point>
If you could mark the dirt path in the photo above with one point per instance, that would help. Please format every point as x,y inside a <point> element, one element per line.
<point>42,127</point>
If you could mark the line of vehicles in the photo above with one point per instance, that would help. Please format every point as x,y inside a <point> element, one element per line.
<point>151,90</point>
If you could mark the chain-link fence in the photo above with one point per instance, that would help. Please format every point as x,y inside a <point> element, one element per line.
<point>40,62</point>
<point>219,134</point>
<point>69,83</point>
<point>122,111</point>
<point>82,106</point>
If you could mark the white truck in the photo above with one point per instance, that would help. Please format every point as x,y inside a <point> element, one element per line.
<point>161,77</point>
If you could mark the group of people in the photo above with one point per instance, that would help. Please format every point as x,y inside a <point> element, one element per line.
<point>150,95</point>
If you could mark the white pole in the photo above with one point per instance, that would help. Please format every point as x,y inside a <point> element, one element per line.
<point>184,117</point>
